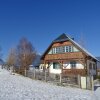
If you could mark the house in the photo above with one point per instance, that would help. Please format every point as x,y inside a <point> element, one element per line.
<point>66,56</point>
<point>36,62</point>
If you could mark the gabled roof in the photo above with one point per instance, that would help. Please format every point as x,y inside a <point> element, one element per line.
<point>63,37</point>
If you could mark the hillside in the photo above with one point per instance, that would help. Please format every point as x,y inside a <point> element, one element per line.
<point>16,87</point>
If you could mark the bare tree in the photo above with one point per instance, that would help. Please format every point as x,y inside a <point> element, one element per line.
<point>11,60</point>
<point>25,54</point>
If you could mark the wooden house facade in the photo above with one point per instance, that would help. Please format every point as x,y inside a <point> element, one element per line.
<point>66,56</point>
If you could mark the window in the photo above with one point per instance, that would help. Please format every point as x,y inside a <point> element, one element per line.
<point>56,65</point>
<point>60,49</point>
<point>63,49</point>
<point>67,49</point>
<point>54,50</point>
<point>73,64</point>
<point>70,48</point>
<point>57,49</point>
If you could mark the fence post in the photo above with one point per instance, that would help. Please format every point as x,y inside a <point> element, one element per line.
<point>60,78</point>
<point>79,81</point>
<point>45,76</point>
<point>34,72</point>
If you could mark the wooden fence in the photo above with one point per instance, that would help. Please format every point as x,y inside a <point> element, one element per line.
<point>77,80</point>
<point>73,80</point>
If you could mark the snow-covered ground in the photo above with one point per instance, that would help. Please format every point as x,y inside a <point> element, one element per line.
<point>16,87</point>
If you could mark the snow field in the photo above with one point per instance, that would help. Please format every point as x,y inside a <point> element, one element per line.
<point>17,87</point>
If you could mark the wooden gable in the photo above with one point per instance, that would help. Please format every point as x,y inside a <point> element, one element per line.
<point>66,55</point>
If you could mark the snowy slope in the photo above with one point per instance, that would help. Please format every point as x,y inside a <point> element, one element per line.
<point>16,87</point>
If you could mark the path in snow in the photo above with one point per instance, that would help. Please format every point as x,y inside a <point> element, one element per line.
<point>16,87</point>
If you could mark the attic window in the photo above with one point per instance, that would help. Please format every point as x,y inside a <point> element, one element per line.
<point>70,48</point>
<point>67,49</point>
<point>63,49</point>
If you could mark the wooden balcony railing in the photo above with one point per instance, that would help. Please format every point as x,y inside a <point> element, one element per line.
<point>64,56</point>
<point>74,72</point>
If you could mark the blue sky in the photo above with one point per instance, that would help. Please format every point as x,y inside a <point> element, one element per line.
<point>41,21</point>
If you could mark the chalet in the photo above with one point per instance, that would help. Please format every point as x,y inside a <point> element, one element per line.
<point>64,55</point>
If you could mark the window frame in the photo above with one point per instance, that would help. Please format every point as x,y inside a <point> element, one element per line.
<point>73,64</point>
<point>62,49</point>
<point>55,65</point>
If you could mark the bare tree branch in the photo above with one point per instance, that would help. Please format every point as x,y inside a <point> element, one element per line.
<point>26,53</point>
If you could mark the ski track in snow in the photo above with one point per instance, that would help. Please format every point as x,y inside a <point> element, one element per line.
<point>17,87</point>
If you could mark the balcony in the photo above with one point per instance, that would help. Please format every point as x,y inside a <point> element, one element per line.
<point>68,55</point>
